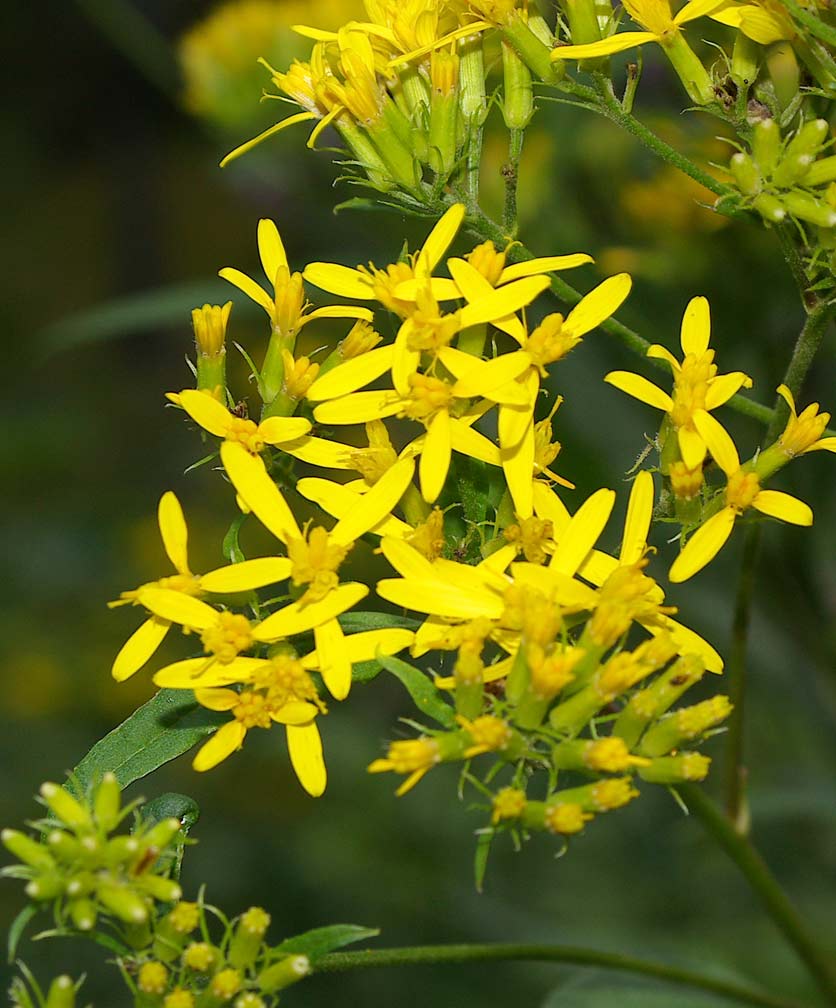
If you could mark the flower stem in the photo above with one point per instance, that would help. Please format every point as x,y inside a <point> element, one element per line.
<point>511,175</point>
<point>763,883</point>
<point>806,346</point>
<point>427,955</point>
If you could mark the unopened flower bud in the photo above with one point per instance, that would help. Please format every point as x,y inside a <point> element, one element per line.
<point>106,802</point>
<point>248,937</point>
<point>676,769</point>
<point>283,973</point>
<point>61,993</point>
<point>152,978</point>
<point>83,913</point>
<point>766,144</point>
<point>745,173</point>
<point>806,207</point>
<point>684,725</point>
<point>65,807</point>
<point>27,850</point>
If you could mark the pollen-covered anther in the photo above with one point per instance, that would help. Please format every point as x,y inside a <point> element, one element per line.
<point>427,395</point>
<point>431,328</point>
<point>428,537</point>
<point>408,756</point>
<point>693,721</point>
<point>533,537</point>
<point>487,734</point>
<point>508,803</point>
<point>803,430</point>
<point>253,710</point>
<point>488,261</point>
<point>184,917</point>
<point>742,489</point>
<point>566,818</point>
<point>551,673</point>
<point>620,673</point>
<point>610,755</point>
<point>375,461</point>
<point>225,984</point>
<point>691,386</point>
<point>200,956</point>
<point>536,617</point>
<point>227,637</point>
<point>179,998</point>
<point>299,375</point>
<point>289,301</point>
<point>384,283</point>
<point>285,679</point>
<point>245,432</point>
<point>550,341</point>
<point>612,794</point>
<point>316,560</point>
<point>686,483</point>
<point>361,338</point>
<point>152,978</point>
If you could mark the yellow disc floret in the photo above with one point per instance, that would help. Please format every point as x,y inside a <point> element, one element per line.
<point>227,637</point>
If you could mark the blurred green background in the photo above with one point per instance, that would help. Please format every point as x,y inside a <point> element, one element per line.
<point>116,222</point>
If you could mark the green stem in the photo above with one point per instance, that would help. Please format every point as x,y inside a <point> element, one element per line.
<point>511,175</point>
<point>137,39</point>
<point>615,111</point>
<point>428,955</point>
<point>765,886</point>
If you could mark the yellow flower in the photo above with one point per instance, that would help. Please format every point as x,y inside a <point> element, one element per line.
<point>697,386</point>
<point>206,411</point>
<point>663,27</point>
<point>314,557</point>
<point>286,306</point>
<point>743,491</point>
<point>764,21</point>
<point>245,576</point>
<point>524,368</point>
<point>804,430</point>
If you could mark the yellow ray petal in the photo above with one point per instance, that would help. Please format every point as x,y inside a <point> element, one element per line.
<point>784,506</point>
<point>697,9</point>
<point>359,407</point>
<point>404,361</point>
<point>337,311</point>
<point>688,642</point>
<point>606,47</point>
<point>597,567</point>
<point>640,388</point>
<point>465,440</point>
<point>174,533</point>
<point>340,280</point>
<point>351,375</point>
<point>496,562</point>
<point>367,644</point>
<point>655,350</point>
<point>249,287</point>
<point>295,712</point>
<point>703,546</point>
<point>435,459</point>
<point>247,575</point>
<point>270,249</point>
<point>406,560</point>
<point>305,748</point>
<point>372,507</point>
<point>440,598</point>
<point>549,506</point>
<point>290,121</point>
<point>513,423</point>
<point>439,240</point>
<point>691,447</point>
<point>139,647</point>
<point>258,491</point>
<point>278,429</point>
<point>503,301</point>
<point>547,264</point>
<point>518,466</point>
<point>223,743</point>
<point>320,452</point>
<point>582,532</point>
<point>637,522</point>
<point>206,411</point>
<point>334,661</point>
<point>428,634</point>
<point>194,673</point>
<point>696,327</point>
<point>718,440</point>
<point>216,699</point>
<point>178,608</point>
<point>295,618</point>
<point>339,499</point>
<point>824,444</point>
<point>598,304</point>
<point>441,288</point>
<point>485,378</point>
<point>723,387</point>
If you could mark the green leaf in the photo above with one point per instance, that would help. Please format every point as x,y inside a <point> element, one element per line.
<point>18,926</point>
<point>172,805</point>
<point>165,727</point>
<point>424,694</point>
<point>320,941</point>
<point>357,622</point>
<point>484,839</point>
<point>126,316</point>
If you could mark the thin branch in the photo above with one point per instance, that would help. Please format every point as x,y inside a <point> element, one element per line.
<point>430,955</point>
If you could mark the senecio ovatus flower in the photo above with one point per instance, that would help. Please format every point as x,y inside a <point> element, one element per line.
<point>698,387</point>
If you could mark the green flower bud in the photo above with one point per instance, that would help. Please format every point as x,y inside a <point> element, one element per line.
<point>791,169</point>
<point>165,890</point>
<point>65,807</point>
<point>518,106</point>
<point>653,701</point>
<point>809,138</point>
<point>81,884</point>
<point>61,993</point>
<point>161,834</point>
<point>684,725</point>
<point>107,802</point>
<point>45,887</point>
<point>821,171</point>
<point>27,850</point>
<point>126,904</point>
<point>676,769</point>
<point>766,144</point>
<point>121,850</point>
<point>745,173</point>
<point>283,973</point>
<point>64,845</point>
<point>201,957</point>
<point>807,208</point>
<point>248,937</point>
<point>769,207</point>
<point>83,913</point>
